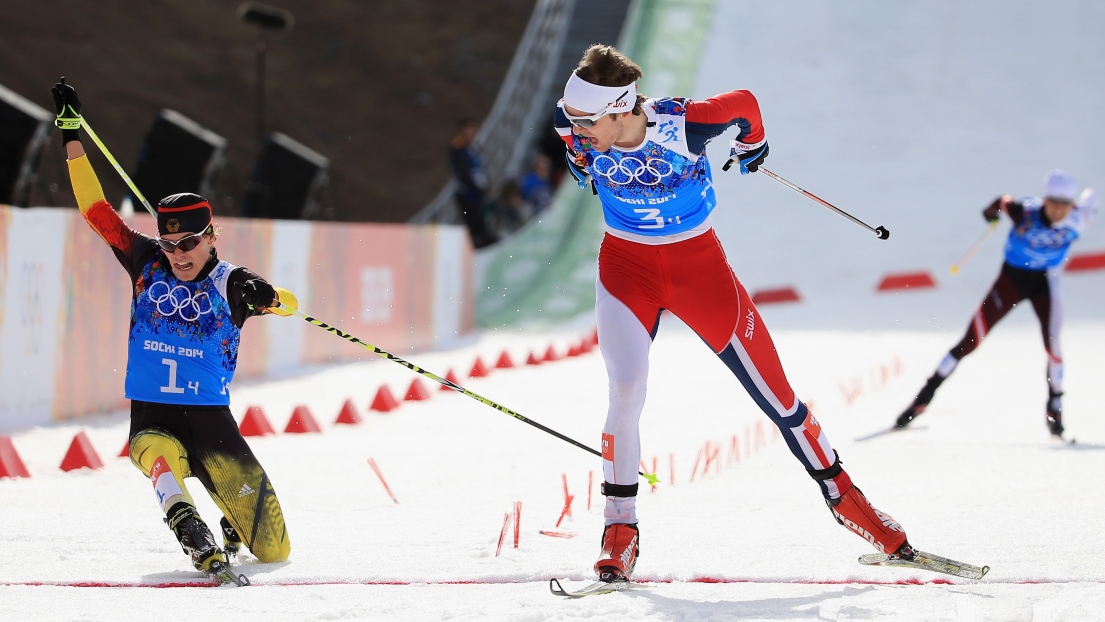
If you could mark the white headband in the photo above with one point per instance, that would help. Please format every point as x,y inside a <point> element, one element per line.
<point>592,98</point>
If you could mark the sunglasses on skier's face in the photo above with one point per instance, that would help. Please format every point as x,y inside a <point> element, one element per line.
<point>585,121</point>
<point>185,243</point>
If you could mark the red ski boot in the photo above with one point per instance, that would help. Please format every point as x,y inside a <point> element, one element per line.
<point>619,552</point>
<point>855,512</point>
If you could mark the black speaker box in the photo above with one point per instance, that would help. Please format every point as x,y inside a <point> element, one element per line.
<point>179,155</point>
<point>287,180</point>
<point>24,129</point>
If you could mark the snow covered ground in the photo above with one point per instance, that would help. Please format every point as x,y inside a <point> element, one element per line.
<point>909,117</point>
<point>978,479</point>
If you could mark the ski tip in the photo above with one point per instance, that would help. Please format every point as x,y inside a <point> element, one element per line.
<point>985,569</point>
<point>555,587</point>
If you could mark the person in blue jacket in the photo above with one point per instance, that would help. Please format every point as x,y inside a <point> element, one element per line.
<point>1043,230</point>
<point>187,312</point>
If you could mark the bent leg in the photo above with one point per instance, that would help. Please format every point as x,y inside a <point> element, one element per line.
<point>999,301</point>
<point>238,484</point>
<point>162,458</point>
<point>751,355</point>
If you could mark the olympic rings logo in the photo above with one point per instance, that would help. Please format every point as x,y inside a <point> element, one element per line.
<point>179,300</point>
<point>630,169</point>
<point>1048,238</point>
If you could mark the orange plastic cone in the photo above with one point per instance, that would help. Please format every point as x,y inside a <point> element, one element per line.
<point>574,350</point>
<point>10,463</point>
<point>348,414</point>
<point>451,377</point>
<point>478,369</point>
<point>384,400</point>
<point>81,455</point>
<point>302,421</point>
<point>255,423</point>
<point>125,453</point>
<point>533,360</point>
<point>551,355</point>
<point>504,361</point>
<point>417,391</point>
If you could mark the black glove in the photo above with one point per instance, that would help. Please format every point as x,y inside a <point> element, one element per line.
<point>750,157</point>
<point>993,211</point>
<point>68,107</point>
<point>258,294</point>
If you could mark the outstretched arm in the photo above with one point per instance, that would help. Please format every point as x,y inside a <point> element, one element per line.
<point>99,214</point>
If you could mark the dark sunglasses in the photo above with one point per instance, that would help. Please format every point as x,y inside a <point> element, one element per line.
<point>185,243</point>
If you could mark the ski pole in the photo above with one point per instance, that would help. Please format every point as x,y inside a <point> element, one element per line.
<point>985,234</point>
<point>115,163</point>
<point>879,231</point>
<point>650,477</point>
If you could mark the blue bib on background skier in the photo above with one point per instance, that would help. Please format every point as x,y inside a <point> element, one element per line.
<point>1033,245</point>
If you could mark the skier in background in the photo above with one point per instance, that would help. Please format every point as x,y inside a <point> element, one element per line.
<point>1043,230</point>
<point>187,312</point>
<point>646,159</point>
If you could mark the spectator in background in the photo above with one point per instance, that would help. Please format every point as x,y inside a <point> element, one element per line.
<point>511,209</point>
<point>466,164</point>
<point>537,187</point>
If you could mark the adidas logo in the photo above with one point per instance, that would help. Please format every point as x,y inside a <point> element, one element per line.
<point>246,490</point>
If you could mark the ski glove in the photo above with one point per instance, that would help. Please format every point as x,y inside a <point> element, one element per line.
<point>68,107</point>
<point>286,298</point>
<point>577,166</point>
<point>257,294</point>
<point>993,211</point>
<point>749,157</point>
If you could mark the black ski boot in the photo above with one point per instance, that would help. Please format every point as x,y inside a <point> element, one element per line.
<point>232,542</point>
<point>1054,416</point>
<point>194,537</point>
<point>920,402</point>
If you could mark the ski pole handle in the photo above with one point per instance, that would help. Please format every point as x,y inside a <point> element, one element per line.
<point>880,231</point>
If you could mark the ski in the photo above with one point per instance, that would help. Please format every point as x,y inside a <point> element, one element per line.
<point>926,561</point>
<point>224,574</point>
<point>891,430</point>
<point>594,589</point>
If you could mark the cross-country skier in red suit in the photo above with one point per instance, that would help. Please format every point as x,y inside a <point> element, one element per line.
<point>646,160</point>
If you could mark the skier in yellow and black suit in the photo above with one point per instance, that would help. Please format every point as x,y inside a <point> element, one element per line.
<point>187,312</point>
